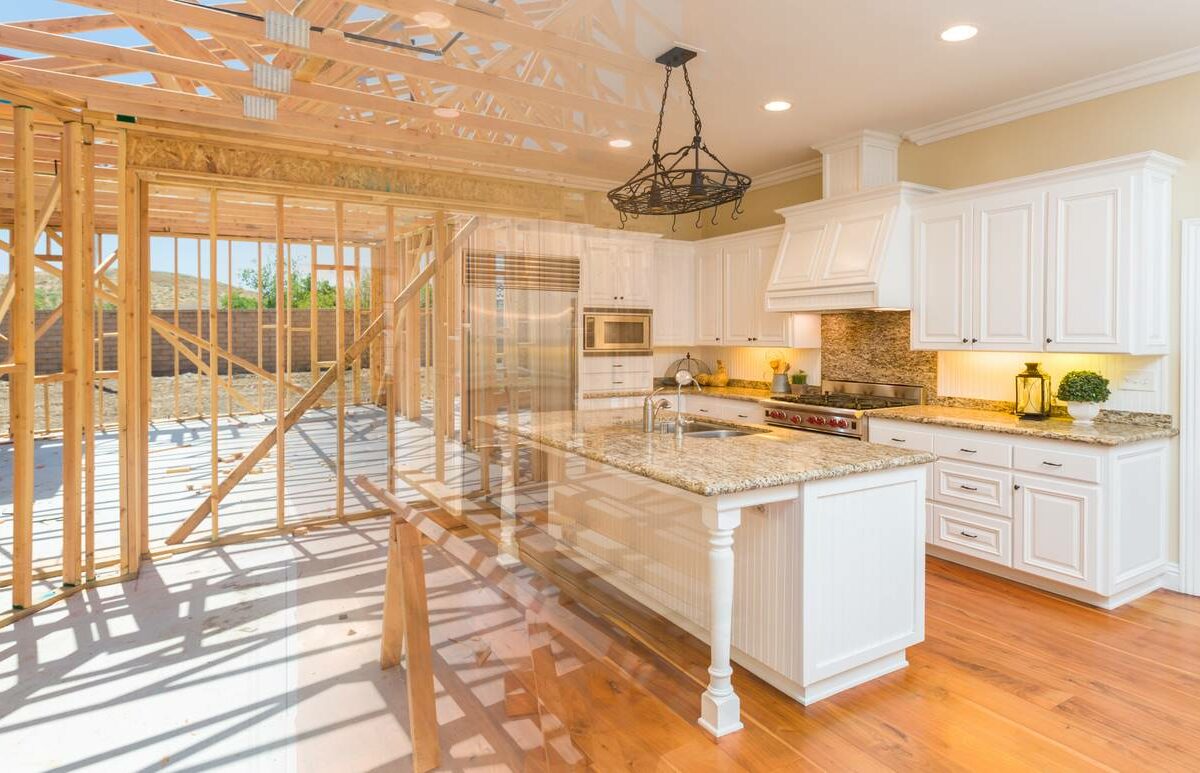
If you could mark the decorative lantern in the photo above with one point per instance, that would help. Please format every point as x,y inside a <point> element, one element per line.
<point>1033,393</point>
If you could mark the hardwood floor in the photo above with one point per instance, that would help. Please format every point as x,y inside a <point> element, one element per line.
<point>1008,678</point>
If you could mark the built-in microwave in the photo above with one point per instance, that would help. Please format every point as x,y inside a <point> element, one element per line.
<point>616,331</point>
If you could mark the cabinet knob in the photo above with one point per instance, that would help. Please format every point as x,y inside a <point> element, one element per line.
<point>1016,487</point>
<point>1049,341</point>
<point>964,340</point>
<point>974,340</point>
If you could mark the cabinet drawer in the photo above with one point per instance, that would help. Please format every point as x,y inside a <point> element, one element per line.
<point>970,449</point>
<point>899,437</point>
<point>619,380</point>
<point>742,411</point>
<point>973,534</point>
<point>1059,464</point>
<point>979,488</point>
<point>615,364</point>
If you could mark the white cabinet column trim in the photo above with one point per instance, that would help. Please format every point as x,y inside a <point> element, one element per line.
<point>1189,409</point>
<point>720,707</point>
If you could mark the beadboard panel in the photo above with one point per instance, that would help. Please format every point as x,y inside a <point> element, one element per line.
<point>1137,383</point>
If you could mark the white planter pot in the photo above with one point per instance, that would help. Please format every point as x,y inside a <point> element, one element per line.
<point>1083,413</point>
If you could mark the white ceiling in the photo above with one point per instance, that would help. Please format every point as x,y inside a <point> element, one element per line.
<point>852,64</point>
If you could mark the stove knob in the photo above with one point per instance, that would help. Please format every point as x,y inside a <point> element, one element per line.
<point>795,420</point>
<point>811,420</point>
<point>841,423</point>
<point>820,421</point>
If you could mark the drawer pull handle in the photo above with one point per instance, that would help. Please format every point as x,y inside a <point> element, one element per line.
<point>968,450</point>
<point>899,440</point>
<point>969,535</point>
<point>617,365</point>
<point>965,487</point>
<point>1052,464</point>
<point>743,416</point>
<point>618,382</point>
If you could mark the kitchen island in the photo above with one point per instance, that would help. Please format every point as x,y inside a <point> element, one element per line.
<point>823,587</point>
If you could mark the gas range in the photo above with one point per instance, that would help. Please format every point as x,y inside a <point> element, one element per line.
<point>840,408</point>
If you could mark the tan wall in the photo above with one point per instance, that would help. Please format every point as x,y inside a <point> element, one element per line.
<point>760,205</point>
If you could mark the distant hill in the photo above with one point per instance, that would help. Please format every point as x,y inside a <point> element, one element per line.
<point>162,290</point>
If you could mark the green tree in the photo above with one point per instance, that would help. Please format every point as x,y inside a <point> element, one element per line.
<point>301,286</point>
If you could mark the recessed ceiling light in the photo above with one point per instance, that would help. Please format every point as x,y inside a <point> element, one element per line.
<point>446,112</point>
<point>431,19</point>
<point>958,33</point>
<point>620,143</point>
<point>777,106</point>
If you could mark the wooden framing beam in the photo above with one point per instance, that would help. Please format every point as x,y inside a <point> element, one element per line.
<point>76,274</point>
<point>222,488</point>
<point>21,378</point>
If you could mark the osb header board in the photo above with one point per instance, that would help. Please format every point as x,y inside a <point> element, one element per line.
<point>293,171</point>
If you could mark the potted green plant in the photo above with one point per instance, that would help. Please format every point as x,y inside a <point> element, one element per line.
<point>799,379</point>
<point>1083,391</point>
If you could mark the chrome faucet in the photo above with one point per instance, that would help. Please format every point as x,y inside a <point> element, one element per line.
<point>682,379</point>
<point>650,409</point>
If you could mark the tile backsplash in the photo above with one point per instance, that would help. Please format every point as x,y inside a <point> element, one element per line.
<point>873,346</point>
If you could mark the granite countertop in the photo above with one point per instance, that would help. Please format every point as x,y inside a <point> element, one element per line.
<point>1104,433</point>
<point>709,466</point>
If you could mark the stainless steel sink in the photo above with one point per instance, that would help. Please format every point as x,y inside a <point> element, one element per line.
<point>703,429</point>
<point>719,433</point>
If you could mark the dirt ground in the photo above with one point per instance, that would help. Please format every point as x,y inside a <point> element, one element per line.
<point>190,398</point>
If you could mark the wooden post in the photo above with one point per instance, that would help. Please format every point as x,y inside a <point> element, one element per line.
<point>175,321</point>
<point>441,354</point>
<point>21,336</point>
<point>213,364</point>
<point>128,344</point>
<point>142,428</point>
<point>282,276</point>
<point>411,370</point>
<point>229,325</point>
<point>340,333</point>
<point>313,350</point>
<point>389,377</point>
<point>75,274</point>
<point>87,332</point>
<point>258,280</point>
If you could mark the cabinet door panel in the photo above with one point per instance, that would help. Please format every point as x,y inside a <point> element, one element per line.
<point>942,282</point>
<point>800,257</point>
<point>742,298</point>
<point>710,282</point>
<point>602,274</point>
<point>1055,530</point>
<point>855,246</point>
<point>1009,239</point>
<point>638,283</point>
<point>772,326</point>
<point>1088,244</point>
<point>674,303</point>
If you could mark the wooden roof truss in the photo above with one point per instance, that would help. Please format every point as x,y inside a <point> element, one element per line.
<point>532,86</point>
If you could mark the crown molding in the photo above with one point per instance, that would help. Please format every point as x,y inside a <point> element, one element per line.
<point>1141,74</point>
<point>789,173</point>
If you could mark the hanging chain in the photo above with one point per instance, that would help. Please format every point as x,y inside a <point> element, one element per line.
<point>662,109</point>
<point>692,100</point>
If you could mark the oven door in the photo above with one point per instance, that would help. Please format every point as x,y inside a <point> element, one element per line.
<point>611,333</point>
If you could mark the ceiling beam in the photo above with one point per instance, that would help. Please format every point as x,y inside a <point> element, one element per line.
<point>213,74</point>
<point>336,48</point>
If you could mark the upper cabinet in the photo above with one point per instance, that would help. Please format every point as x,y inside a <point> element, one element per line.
<point>674,305</point>
<point>619,271</point>
<point>1046,263</point>
<point>709,304</point>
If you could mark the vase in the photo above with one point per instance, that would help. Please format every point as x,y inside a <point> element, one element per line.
<point>1083,413</point>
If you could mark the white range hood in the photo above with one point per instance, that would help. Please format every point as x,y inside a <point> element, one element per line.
<point>853,248</point>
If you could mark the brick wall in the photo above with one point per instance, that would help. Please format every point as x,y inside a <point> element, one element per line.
<point>245,339</point>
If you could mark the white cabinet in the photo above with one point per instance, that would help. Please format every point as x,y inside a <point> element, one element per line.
<point>725,408</point>
<point>941,317</point>
<point>1007,269</point>
<point>1090,242</point>
<point>710,295</point>
<point>674,322</point>
<point>732,278</point>
<point>1081,520</point>
<point>618,272</point>
<point>1075,260</point>
<point>615,374</point>
<point>1055,525</point>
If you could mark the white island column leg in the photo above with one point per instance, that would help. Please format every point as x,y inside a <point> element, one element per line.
<point>720,707</point>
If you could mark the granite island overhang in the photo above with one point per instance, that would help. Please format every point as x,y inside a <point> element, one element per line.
<point>823,587</point>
